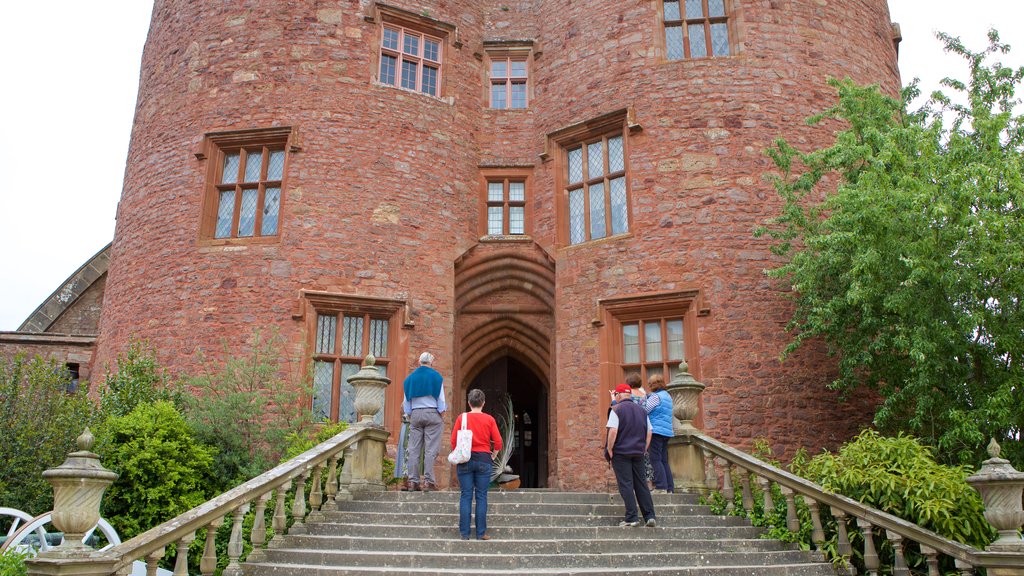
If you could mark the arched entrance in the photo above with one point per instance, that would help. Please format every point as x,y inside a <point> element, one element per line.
<point>508,376</point>
<point>504,324</point>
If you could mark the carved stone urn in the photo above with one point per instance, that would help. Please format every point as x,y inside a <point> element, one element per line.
<point>1000,486</point>
<point>685,392</point>
<point>369,385</point>
<point>78,486</point>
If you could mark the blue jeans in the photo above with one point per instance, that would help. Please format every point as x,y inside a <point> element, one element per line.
<point>659,461</point>
<point>474,479</point>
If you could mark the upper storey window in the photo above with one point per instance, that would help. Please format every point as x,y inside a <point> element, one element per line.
<point>247,171</point>
<point>695,28</point>
<point>508,83</point>
<point>504,210</point>
<point>595,185</point>
<point>410,60</point>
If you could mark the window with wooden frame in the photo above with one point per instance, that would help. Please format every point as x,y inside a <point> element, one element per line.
<point>695,28</point>
<point>595,187</point>
<point>410,59</point>
<point>247,170</point>
<point>506,207</point>
<point>509,76</point>
<point>652,345</point>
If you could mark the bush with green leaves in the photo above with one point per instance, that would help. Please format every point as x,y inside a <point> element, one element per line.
<point>246,409</point>
<point>139,378</point>
<point>163,470</point>
<point>12,563</point>
<point>41,420</point>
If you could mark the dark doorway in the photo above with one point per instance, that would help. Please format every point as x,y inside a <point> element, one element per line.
<point>530,403</point>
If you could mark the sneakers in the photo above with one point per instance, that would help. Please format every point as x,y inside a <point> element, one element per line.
<point>651,523</point>
<point>625,524</point>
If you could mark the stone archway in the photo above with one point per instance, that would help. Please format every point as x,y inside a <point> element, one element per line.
<point>504,327</point>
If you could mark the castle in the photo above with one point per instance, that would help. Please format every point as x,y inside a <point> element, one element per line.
<point>545,194</point>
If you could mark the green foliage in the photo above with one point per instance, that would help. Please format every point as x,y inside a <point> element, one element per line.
<point>138,379</point>
<point>246,410</point>
<point>301,440</point>
<point>41,421</point>
<point>912,270</point>
<point>12,563</point>
<point>163,471</point>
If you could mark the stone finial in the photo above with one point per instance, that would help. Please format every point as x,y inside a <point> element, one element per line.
<point>993,449</point>
<point>370,360</point>
<point>86,440</point>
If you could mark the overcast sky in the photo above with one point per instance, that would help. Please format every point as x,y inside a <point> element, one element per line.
<point>71,70</point>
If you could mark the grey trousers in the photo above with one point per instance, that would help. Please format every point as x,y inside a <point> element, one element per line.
<point>425,428</point>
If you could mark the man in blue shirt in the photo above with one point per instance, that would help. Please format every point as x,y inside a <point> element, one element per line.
<point>424,405</point>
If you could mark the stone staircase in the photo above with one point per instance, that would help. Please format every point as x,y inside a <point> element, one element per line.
<point>534,532</point>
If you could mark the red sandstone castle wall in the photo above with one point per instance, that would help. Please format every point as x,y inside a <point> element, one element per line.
<point>383,197</point>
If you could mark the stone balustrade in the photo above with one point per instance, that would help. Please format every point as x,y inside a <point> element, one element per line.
<point>706,465</point>
<point>358,450</point>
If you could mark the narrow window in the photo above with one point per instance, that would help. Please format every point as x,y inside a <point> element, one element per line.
<point>695,28</point>
<point>595,186</point>
<point>509,82</point>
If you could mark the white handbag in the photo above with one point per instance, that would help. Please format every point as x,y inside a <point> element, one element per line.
<point>463,445</point>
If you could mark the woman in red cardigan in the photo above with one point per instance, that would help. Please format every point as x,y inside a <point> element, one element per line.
<point>475,475</point>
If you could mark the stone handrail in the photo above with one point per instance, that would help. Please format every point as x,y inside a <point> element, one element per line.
<point>81,480</point>
<point>867,518</point>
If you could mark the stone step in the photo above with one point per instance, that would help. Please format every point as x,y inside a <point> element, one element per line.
<point>530,546</point>
<point>527,496</point>
<point>394,518</point>
<point>516,531</point>
<point>622,556</point>
<point>799,569</point>
<point>502,506</point>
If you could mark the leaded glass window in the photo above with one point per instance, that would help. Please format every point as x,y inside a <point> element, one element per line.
<point>596,189</point>
<point>340,344</point>
<point>699,31</point>
<point>249,192</point>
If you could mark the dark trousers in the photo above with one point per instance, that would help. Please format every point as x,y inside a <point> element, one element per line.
<point>474,480</point>
<point>659,461</point>
<point>632,480</point>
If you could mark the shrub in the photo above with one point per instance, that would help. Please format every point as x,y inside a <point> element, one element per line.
<point>12,563</point>
<point>138,379</point>
<point>163,470</point>
<point>246,410</point>
<point>41,421</point>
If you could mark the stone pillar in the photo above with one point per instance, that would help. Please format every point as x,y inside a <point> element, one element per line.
<point>686,460</point>
<point>1000,486</point>
<point>368,456</point>
<point>78,486</point>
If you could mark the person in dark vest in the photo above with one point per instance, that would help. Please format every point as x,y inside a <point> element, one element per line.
<point>424,404</point>
<point>629,435</point>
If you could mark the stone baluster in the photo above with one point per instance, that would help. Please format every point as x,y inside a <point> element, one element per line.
<point>315,496</point>
<point>766,489</point>
<point>280,522</point>
<point>332,484</point>
<point>843,547</point>
<point>792,522</point>
<point>871,561</point>
<point>748,497</point>
<point>899,563</point>
<point>965,568</point>
<point>299,505</point>
<point>235,543</point>
<point>727,490</point>
<point>817,532</point>
<point>153,561</point>
<point>710,473</point>
<point>181,558</point>
<point>258,536</point>
<point>344,493</point>
<point>208,564</point>
<point>931,556</point>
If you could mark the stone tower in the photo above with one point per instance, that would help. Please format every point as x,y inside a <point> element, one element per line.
<point>543,193</point>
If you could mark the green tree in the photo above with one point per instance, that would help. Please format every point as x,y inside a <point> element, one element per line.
<point>247,410</point>
<point>163,470</point>
<point>138,379</point>
<point>912,270</point>
<point>40,423</point>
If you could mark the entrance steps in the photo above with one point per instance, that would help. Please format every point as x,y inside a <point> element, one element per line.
<point>533,532</point>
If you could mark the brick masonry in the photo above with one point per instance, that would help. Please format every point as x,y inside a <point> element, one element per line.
<point>383,198</point>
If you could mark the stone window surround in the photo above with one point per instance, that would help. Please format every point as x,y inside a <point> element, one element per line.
<point>511,51</point>
<point>212,150</point>
<point>734,19</point>
<point>560,141</point>
<point>613,312</point>
<point>382,14</point>
<point>506,174</point>
<point>311,303</point>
